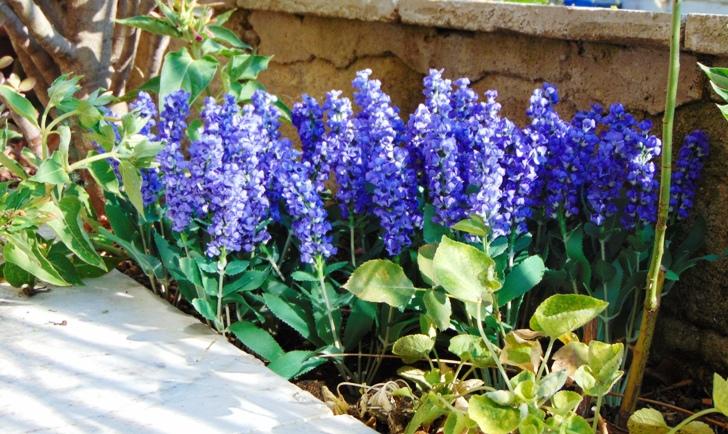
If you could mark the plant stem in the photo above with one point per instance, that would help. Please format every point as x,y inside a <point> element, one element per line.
<point>83,163</point>
<point>605,319</point>
<point>546,356</point>
<point>655,274</point>
<point>692,418</point>
<point>221,263</point>
<point>385,344</point>
<point>286,245</point>
<point>489,345</point>
<point>352,245</point>
<point>564,239</point>
<point>329,310</point>
<point>595,422</point>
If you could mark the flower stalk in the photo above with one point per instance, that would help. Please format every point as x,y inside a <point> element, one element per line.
<point>656,274</point>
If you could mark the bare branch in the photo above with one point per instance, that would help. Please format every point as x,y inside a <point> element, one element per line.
<point>45,66</point>
<point>52,10</point>
<point>42,30</point>
<point>160,48</point>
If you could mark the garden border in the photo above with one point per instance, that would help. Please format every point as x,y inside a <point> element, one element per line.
<point>702,33</point>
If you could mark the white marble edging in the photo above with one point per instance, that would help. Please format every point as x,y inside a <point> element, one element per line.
<point>110,357</point>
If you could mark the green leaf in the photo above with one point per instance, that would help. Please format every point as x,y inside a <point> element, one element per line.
<point>248,66</point>
<point>104,175</point>
<point>132,182</point>
<point>565,402</point>
<point>63,88</point>
<point>470,348</point>
<point>717,75</point>
<point>227,36</point>
<point>25,253</point>
<point>205,309</point>
<point>551,383</point>
<point>647,421</point>
<point>523,353</point>
<point>563,313</point>
<point>13,166</point>
<point>258,340</point>
<point>438,308</point>
<point>473,225</point>
<point>150,265</point>
<point>575,424</point>
<point>18,104</point>
<point>151,25</point>
<point>413,348</point>
<point>223,18</point>
<point>381,281</point>
<point>181,71</point>
<point>250,280</point>
<point>458,423</point>
<point>52,171</point>
<point>67,224</point>
<point>491,417</point>
<point>720,394</point>
<point>303,276</point>
<point>522,278</point>
<point>465,272</point>
<point>429,409</point>
<point>16,276</point>
<point>236,267</point>
<point>290,313</point>
<point>295,363</point>
<point>359,323</point>
<point>425,255</point>
<point>431,231</point>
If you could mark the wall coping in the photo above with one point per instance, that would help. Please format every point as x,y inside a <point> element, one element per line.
<point>702,33</point>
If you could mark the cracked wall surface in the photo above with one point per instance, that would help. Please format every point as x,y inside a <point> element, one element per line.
<point>314,54</point>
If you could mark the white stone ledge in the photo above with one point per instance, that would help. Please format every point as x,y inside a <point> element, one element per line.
<point>110,357</point>
<point>702,33</point>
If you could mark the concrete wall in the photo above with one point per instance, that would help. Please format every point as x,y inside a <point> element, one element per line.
<point>593,55</point>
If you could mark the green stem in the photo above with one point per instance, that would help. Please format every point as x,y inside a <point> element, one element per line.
<point>655,274</point>
<point>385,344</point>
<point>152,280</point>
<point>320,263</point>
<point>352,246</point>
<point>54,123</point>
<point>564,239</point>
<point>595,422</point>
<point>546,356</point>
<point>605,289</point>
<point>221,263</point>
<point>489,345</point>
<point>286,245</point>
<point>692,418</point>
<point>86,161</point>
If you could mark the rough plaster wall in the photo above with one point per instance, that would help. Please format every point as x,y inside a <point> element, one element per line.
<point>315,54</point>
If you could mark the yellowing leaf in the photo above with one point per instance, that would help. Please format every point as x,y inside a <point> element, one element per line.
<point>381,281</point>
<point>563,313</point>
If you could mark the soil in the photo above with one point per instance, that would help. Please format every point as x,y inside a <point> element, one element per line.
<point>670,388</point>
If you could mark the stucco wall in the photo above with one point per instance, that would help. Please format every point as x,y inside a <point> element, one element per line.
<point>592,55</point>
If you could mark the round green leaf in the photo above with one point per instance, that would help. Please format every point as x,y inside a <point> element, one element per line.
<point>565,402</point>
<point>465,272</point>
<point>413,347</point>
<point>381,281</point>
<point>720,394</point>
<point>438,308</point>
<point>563,313</point>
<point>647,421</point>
<point>491,417</point>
